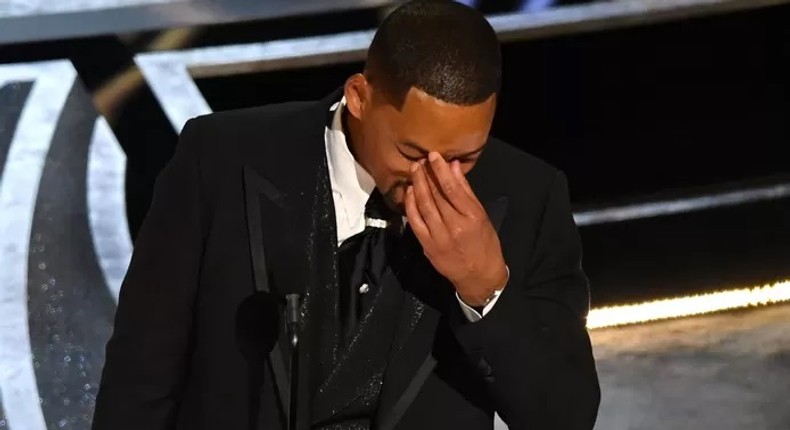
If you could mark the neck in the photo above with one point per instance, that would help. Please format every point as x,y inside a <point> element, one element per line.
<point>351,129</point>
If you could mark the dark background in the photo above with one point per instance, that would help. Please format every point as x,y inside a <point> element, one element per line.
<point>669,106</point>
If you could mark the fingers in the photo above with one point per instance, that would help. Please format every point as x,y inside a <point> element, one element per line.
<point>459,175</point>
<point>448,212</point>
<point>425,203</point>
<point>416,221</point>
<point>450,185</point>
<point>455,167</point>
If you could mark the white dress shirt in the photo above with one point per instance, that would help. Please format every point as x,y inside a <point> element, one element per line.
<point>351,188</point>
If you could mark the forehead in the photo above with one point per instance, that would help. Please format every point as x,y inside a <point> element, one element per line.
<point>440,126</point>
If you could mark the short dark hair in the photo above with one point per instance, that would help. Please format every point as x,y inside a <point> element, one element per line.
<point>441,47</point>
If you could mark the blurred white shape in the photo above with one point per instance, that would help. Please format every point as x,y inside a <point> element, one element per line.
<point>52,82</point>
<point>682,205</point>
<point>9,8</point>
<point>107,206</point>
<point>689,306</point>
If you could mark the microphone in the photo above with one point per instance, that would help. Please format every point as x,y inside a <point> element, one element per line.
<point>293,317</point>
<point>289,303</point>
<point>258,327</point>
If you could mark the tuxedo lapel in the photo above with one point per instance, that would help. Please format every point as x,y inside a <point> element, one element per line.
<point>281,252</point>
<point>428,297</point>
<point>260,195</point>
<point>410,361</point>
<point>496,209</point>
<point>290,223</point>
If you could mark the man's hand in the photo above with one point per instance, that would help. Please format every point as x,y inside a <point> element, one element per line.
<point>454,229</point>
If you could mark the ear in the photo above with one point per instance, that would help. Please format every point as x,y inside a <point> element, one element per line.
<point>358,94</point>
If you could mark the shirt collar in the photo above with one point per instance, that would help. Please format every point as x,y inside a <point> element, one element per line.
<point>349,179</point>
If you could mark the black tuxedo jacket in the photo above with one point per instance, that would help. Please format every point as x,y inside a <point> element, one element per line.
<point>245,205</point>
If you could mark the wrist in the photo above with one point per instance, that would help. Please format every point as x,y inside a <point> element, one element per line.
<point>478,300</point>
<point>481,296</point>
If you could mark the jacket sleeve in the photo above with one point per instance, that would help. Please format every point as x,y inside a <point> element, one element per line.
<point>147,356</point>
<point>533,349</point>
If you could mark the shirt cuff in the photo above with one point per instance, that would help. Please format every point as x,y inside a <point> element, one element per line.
<point>471,314</point>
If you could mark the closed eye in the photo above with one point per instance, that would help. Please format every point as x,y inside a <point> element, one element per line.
<point>411,157</point>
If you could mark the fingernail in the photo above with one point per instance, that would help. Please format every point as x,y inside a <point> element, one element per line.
<point>414,167</point>
<point>433,156</point>
<point>409,190</point>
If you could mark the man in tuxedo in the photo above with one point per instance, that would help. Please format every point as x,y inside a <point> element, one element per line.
<point>438,268</point>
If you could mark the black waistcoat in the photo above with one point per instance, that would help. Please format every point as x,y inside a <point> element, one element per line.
<point>345,383</point>
<point>350,379</point>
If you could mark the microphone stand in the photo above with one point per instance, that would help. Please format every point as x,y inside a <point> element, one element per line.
<point>292,319</point>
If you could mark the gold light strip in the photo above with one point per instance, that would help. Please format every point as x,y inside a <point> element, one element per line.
<point>688,306</point>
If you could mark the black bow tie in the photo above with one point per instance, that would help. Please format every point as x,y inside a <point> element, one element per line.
<point>363,260</point>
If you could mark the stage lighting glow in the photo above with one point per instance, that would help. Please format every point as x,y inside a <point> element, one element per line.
<point>688,306</point>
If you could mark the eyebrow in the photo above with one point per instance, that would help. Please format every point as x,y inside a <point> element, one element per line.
<point>425,152</point>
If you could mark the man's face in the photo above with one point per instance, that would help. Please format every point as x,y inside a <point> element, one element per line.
<point>392,139</point>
